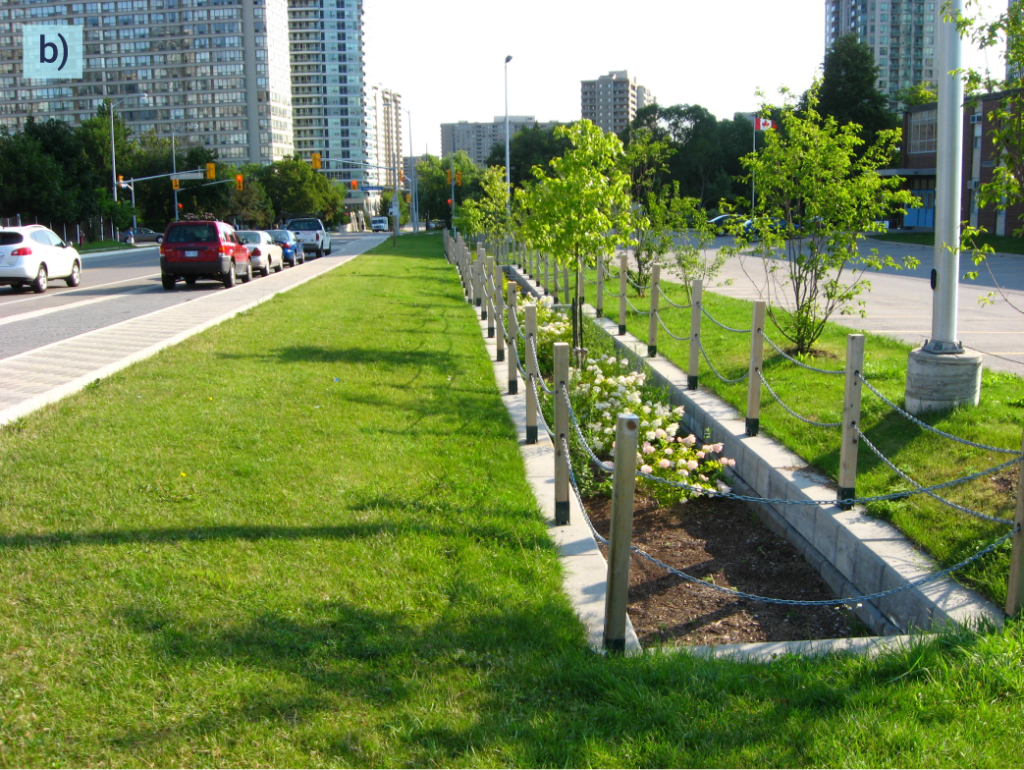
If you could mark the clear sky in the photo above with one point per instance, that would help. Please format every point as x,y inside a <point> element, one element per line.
<point>446,57</point>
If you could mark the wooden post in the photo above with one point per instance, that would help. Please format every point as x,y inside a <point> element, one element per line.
<point>754,373</point>
<point>851,419</point>
<point>554,290</point>
<point>623,283</point>
<point>696,298</point>
<point>567,297</point>
<point>513,337</point>
<point>532,405</point>
<point>621,532</point>
<point>1015,588</point>
<point>652,330</point>
<point>499,310</point>
<point>489,293</point>
<point>599,299</point>
<point>547,272</point>
<point>561,433</point>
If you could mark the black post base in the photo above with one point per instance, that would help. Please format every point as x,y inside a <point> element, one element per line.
<point>531,434</point>
<point>478,302</point>
<point>483,314</point>
<point>615,645</point>
<point>652,351</point>
<point>846,493</point>
<point>490,333</point>
<point>691,382</point>
<point>562,513</point>
<point>753,425</point>
<point>513,387</point>
<point>622,330</point>
<point>501,355</point>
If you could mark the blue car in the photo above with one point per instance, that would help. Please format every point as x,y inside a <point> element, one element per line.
<point>290,246</point>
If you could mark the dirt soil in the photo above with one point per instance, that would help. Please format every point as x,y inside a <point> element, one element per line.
<point>721,541</point>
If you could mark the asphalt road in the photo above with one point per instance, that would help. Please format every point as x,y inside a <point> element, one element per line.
<point>116,286</point>
<point>899,303</point>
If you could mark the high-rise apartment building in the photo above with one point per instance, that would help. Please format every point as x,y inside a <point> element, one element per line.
<point>901,33</point>
<point>214,72</point>
<point>327,87</point>
<point>478,139</point>
<point>611,101</point>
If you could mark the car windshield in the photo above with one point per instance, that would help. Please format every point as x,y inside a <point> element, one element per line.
<point>281,235</point>
<point>9,239</point>
<point>193,234</point>
<point>305,224</point>
<point>248,236</point>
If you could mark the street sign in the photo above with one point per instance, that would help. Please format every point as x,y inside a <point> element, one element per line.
<point>394,210</point>
<point>371,188</point>
<point>184,176</point>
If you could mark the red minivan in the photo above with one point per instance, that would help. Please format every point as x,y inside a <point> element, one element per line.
<point>203,248</point>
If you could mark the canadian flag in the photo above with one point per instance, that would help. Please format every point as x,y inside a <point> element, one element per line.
<point>764,124</point>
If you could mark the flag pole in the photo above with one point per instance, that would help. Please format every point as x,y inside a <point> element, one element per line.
<point>754,149</point>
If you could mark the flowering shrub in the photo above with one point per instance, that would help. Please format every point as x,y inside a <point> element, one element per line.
<point>607,387</point>
<point>552,326</point>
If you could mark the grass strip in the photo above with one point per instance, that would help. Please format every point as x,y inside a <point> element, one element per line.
<point>1003,244</point>
<point>950,536</point>
<point>303,538</point>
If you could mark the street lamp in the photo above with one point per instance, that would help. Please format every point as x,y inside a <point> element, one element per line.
<point>174,162</point>
<point>508,173</point>
<point>113,160</point>
<point>412,183</point>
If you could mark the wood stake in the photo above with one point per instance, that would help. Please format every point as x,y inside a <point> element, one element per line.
<point>561,432</point>
<point>652,329</point>
<point>851,419</point>
<point>696,300</point>
<point>532,406</point>
<point>620,537</point>
<point>513,336</point>
<point>754,373</point>
<point>1015,588</point>
<point>623,278</point>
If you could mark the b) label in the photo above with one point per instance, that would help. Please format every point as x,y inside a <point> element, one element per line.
<point>51,52</point>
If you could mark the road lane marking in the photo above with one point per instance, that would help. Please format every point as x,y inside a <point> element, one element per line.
<point>76,290</point>
<point>84,303</point>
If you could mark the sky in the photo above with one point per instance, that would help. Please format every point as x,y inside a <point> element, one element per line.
<point>446,57</point>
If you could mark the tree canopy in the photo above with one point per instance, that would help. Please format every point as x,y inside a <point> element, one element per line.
<point>849,91</point>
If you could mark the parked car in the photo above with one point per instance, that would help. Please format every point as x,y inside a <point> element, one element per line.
<point>33,255</point>
<point>291,247</point>
<point>314,236</point>
<point>142,235</point>
<point>752,230</point>
<point>203,248</point>
<point>380,224</point>
<point>723,221</point>
<point>264,253</point>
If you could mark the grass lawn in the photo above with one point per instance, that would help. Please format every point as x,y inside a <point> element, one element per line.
<point>102,246</point>
<point>304,538</point>
<point>1006,244</point>
<point>948,535</point>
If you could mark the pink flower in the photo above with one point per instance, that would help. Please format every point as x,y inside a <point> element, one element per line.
<point>703,477</point>
<point>683,472</point>
<point>609,463</point>
<point>646,469</point>
<point>690,440</point>
<point>700,455</point>
<point>664,463</point>
<point>692,465</point>
<point>648,449</point>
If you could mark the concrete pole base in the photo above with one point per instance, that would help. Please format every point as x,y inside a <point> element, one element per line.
<point>937,382</point>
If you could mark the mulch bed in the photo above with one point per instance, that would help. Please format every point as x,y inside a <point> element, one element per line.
<point>721,541</point>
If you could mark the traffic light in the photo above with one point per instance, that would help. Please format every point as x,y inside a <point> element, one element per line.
<point>120,181</point>
<point>448,175</point>
<point>211,171</point>
<point>181,206</point>
<point>239,182</point>
<point>401,176</point>
<point>175,184</point>
<point>449,201</point>
<point>458,178</point>
<point>408,197</point>
<point>316,160</point>
<point>354,184</point>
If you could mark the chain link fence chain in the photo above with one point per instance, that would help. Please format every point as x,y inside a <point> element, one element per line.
<point>715,321</point>
<point>933,429</point>
<point>670,334</point>
<point>797,361</point>
<point>794,414</point>
<point>715,371</point>
<point>637,310</point>
<point>532,345</point>
<point>665,297</point>
<point>944,501</point>
<point>579,434</point>
<point>608,291</point>
<point>635,285</point>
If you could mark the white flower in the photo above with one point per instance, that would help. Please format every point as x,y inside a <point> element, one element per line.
<point>651,435</point>
<point>646,469</point>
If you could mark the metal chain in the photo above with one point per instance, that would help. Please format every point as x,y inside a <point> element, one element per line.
<point>670,334</point>
<point>587,280</point>
<point>944,501</point>
<point>636,310</point>
<point>608,291</point>
<point>579,433</point>
<point>798,362</point>
<point>713,320</point>
<point>635,285</point>
<point>715,371</point>
<point>794,414</point>
<point>540,412</point>
<point>928,427</point>
<point>665,297</point>
<point>532,344</point>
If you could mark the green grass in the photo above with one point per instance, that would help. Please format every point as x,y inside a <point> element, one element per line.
<point>103,246</point>
<point>1005,244</point>
<point>948,535</point>
<point>304,538</point>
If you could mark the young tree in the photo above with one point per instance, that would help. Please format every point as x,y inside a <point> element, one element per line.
<point>528,148</point>
<point>818,191</point>
<point>489,214</point>
<point>578,208</point>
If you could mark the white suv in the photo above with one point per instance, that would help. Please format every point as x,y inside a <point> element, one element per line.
<point>33,255</point>
<point>312,233</point>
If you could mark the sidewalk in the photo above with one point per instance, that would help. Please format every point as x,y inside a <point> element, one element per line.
<point>45,375</point>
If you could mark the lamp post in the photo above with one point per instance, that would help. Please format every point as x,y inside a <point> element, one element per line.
<point>412,183</point>
<point>113,159</point>
<point>508,172</point>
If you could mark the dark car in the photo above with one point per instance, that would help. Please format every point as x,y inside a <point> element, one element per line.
<point>203,248</point>
<point>723,221</point>
<point>142,235</point>
<point>290,246</point>
<point>753,229</point>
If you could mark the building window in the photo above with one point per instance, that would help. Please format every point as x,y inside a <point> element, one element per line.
<point>922,131</point>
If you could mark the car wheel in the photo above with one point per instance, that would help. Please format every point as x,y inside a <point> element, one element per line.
<point>167,281</point>
<point>229,277</point>
<point>39,284</point>
<point>76,275</point>
<point>302,260</point>
<point>190,280</point>
<point>280,266</point>
<point>319,253</point>
<point>159,239</point>
<point>247,275</point>
<point>265,270</point>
